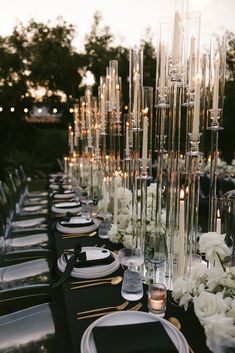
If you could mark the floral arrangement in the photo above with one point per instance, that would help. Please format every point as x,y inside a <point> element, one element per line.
<point>123,230</point>
<point>212,290</point>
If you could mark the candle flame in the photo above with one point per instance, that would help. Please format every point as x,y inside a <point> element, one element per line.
<point>218,213</point>
<point>127,124</point>
<point>145,111</point>
<point>181,194</point>
<point>104,180</point>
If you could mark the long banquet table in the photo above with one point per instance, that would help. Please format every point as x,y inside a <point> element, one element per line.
<point>109,295</point>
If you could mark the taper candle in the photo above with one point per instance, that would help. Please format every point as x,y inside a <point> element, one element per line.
<point>181,250</point>
<point>196,114</point>
<point>216,83</point>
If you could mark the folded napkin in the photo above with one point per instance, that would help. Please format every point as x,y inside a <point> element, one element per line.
<point>147,337</point>
<point>82,260</point>
<point>67,205</point>
<point>73,221</point>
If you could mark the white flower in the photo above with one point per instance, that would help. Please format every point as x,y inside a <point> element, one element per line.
<point>128,241</point>
<point>113,234</point>
<point>123,220</point>
<point>220,332</point>
<point>231,311</point>
<point>216,276</point>
<point>199,274</point>
<point>212,244</point>
<point>181,292</point>
<point>208,304</point>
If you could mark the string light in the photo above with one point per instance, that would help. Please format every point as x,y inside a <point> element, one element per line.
<point>26,110</point>
<point>54,110</point>
<point>12,109</point>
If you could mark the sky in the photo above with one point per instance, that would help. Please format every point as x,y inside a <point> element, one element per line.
<point>128,19</point>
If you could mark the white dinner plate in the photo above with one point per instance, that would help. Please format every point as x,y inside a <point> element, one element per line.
<point>131,317</point>
<point>28,223</point>
<point>77,220</point>
<point>32,208</point>
<point>93,271</point>
<point>67,194</point>
<point>64,207</point>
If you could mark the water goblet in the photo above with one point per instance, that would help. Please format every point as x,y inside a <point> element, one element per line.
<point>132,286</point>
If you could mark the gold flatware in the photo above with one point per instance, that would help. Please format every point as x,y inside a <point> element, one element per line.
<point>134,308</point>
<point>70,236</point>
<point>95,280</point>
<point>118,307</point>
<point>174,321</point>
<point>114,282</point>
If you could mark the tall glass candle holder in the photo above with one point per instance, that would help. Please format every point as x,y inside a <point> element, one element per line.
<point>217,58</point>
<point>135,86</point>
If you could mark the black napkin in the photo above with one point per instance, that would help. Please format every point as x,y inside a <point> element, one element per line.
<point>76,254</point>
<point>65,222</point>
<point>78,204</point>
<point>147,337</point>
<point>83,262</point>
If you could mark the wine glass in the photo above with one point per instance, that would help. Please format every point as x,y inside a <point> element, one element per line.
<point>132,286</point>
<point>156,253</point>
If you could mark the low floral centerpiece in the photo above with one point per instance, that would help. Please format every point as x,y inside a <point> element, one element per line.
<point>212,291</point>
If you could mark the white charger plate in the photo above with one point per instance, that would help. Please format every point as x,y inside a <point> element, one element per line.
<point>84,229</point>
<point>93,271</point>
<point>66,195</point>
<point>28,223</point>
<point>64,207</point>
<point>131,317</point>
<point>32,208</point>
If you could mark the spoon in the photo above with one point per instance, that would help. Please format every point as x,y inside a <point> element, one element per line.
<point>114,282</point>
<point>174,321</point>
<point>95,280</point>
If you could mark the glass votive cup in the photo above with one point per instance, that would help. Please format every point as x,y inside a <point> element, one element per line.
<point>157,298</point>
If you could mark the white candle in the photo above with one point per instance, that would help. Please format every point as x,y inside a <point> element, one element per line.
<point>71,141</point>
<point>192,59</point>
<point>216,83</point>
<point>118,99</point>
<point>196,113</point>
<point>127,140</point>
<point>89,126</point>
<point>115,200</point>
<point>136,91</point>
<point>218,223</point>
<point>181,252</point>
<point>145,139</point>
<point>97,132</point>
<point>65,165</point>
<point>176,39</point>
<point>162,69</point>
<point>102,111</point>
<point>103,189</point>
<point>83,115</point>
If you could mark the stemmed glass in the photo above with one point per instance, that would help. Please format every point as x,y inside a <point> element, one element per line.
<point>156,253</point>
<point>132,286</point>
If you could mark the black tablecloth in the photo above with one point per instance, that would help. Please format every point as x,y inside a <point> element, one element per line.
<point>107,295</point>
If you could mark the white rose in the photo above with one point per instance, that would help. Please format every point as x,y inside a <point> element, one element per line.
<point>231,312</point>
<point>220,332</point>
<point>209,304</point>
<point>199,274</point>
<point>216,276</point>
<point>212,244</point>
<point>127,241</point>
